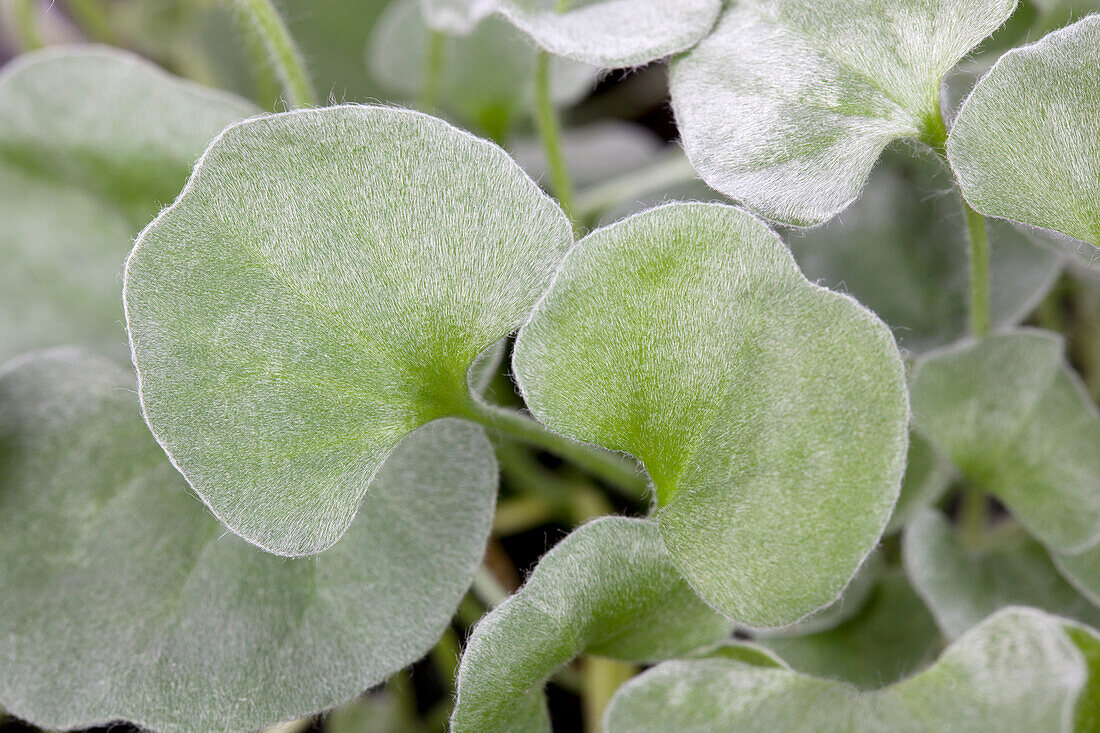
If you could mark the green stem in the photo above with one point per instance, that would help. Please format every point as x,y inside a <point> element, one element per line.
<point>433,70</point>
<point>605,465</point>
<point>669,170</point>
<point>972,516</point>
<point>89,15</point>
<point>602,677</point>
<point>263,20</point>
<point>487,588</point>
<point>979,272</point>
<point>546,119</point>
<point>26,25</point>
<point>445,656</point>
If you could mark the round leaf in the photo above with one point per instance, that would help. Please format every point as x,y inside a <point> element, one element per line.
<point>787,104</point>
<point>769,412</point>
<point>964,587</point>
<point>319,290</point>
<point>609,589</point>
<point>92,142</point>
<point>1018,672</point>
<point>125,600</point>
<point>1026,143</point>
<point>1018,423</point>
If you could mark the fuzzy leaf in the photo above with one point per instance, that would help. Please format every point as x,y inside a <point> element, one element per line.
<point>92,142</point>
<point>485,77</point>
<point>320,290</point>
<point>124,599</point>
<point>608,33</point>
<point>787,105</point>
<point>892,636</point>
<point>609,589</point>
<point>1017,422</point>
<point>1017,672</point>
<point>961,588</point>
<point>1026,143</point>
<point>901,250</point>
<point>686,336</point>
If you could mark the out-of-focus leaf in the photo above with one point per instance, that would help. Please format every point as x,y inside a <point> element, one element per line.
<point>1017,422</point>
<point>486,78</point>
<point>687,336</point>
<point>319,291</point>
<point>892,636</point>
<point>1026,143</point>
<point>593,153</point>
<point>125,600</point>
<point>787,105</point>
<point>961,588</point>
<point>92,142</point>
<point>608,589</point>
<point>1018,672</point>
<point>901,250</point>
<point>608,33</point>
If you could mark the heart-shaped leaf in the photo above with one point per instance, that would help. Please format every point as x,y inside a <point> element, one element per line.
<point>1018,672</point>
<point>769,412</point>
<point>320,290</point>
<point>609,589</point>
<point>1017,422</point>
<point>890,637</point>
<point>608,33</point>
<point>92,142</point>
<point>1026,143</point>
<point>787,105</point>
<point>125,600</point>
<point>964,587</point>
<point>485,77</point>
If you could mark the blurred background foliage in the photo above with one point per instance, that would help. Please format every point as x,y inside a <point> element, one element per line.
<point>900,250</point>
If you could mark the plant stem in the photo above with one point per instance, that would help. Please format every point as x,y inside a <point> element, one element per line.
<point>605,465</point>
<point>263,20</point>
<point>89,15</point>
<point>546,119</point>
<point>433,70</point>
<point>972,516</point>
<point>979,272</point>
<point>26,25</point>
<point>487,588</point>
<point>602,677</point>
<point>669,170</point>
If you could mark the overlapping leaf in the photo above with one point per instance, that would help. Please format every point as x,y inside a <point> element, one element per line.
<point>609,589</point>
<point>320,290</point>
<point>1017,422</point>
<point>609,33</point>
<point>485,78</point>
<point>891,636</point>
<point>125,600</point>
<point>1026,143</point>
<point>962,588</point>
<point>787,105</point>
<point>927,477</point>
<point>1018,672</point>
<point>92,142</point>
<point>687,336</point>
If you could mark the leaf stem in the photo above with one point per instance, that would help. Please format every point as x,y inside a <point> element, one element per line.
<point>263,20</point>
<point>433,70</point>
<point>90,16</point>
<point>972,516</point>
<point>602,677</point>
<point>979,272</point>
<point>610,467</point>
<point>668,170</point>
<point>26,25</point>
<point>487,588</point>
<point>549,127</point>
